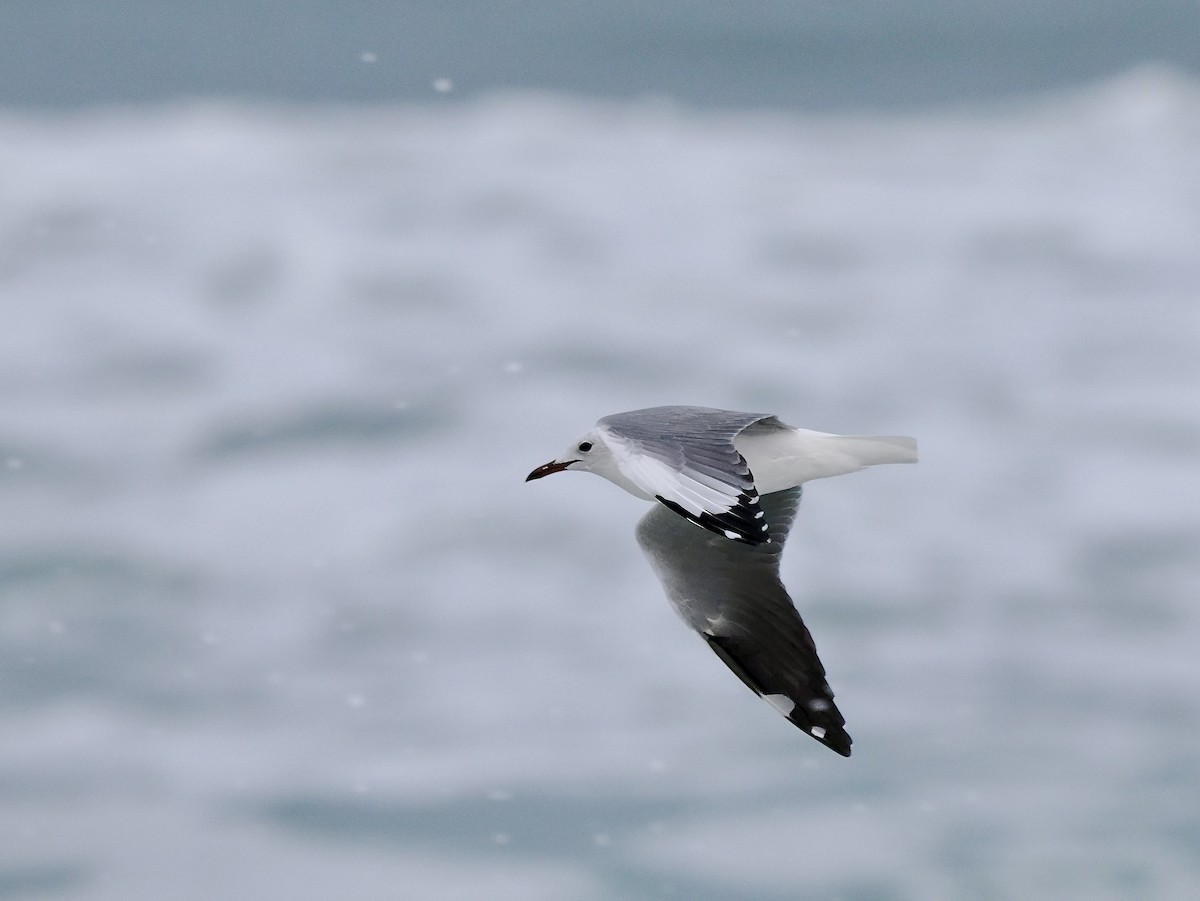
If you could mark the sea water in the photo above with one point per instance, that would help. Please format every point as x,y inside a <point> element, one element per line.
<point>280,619</point>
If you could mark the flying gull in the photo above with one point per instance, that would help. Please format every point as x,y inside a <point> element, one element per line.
<point>738,476</point>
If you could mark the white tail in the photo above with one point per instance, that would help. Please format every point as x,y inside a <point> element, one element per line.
<point>786,458</point>
<point>871,450</point>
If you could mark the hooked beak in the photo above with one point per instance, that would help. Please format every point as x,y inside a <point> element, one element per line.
<point>548,469</point>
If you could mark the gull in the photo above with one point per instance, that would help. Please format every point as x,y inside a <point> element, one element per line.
<point>728,485</point>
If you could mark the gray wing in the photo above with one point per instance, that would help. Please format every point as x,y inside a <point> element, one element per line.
<point>731,594</point>
<point>706,480</point>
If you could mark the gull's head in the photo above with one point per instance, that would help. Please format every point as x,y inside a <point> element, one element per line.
<point>588,453</point>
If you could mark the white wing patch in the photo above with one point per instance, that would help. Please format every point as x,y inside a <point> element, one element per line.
<point>782,703</point>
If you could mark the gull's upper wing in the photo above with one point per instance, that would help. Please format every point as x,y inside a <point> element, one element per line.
<point>731,594</point>
<point>684,457</point>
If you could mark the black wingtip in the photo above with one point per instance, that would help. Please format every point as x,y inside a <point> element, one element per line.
<point>823,723</point>
<point>818,718</point>
<point>742,522</point>
<point>821,719</point>
<point>835,739</point>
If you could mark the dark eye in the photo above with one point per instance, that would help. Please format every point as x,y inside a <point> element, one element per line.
<point>585,446</point>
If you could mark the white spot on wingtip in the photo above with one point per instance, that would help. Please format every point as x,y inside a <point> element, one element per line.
<point>729,534</point>
<point>782,703</point>
<point>818,731</point>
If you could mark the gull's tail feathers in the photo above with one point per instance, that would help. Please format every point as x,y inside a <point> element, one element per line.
<point>782,458</point>
<point>871,450</point>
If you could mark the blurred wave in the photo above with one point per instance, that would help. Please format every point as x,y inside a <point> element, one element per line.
<point>279,616</point>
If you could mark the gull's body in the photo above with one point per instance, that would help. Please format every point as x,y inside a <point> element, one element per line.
<point>738,475</point>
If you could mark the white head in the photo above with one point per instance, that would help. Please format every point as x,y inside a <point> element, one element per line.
<point>588,453</point>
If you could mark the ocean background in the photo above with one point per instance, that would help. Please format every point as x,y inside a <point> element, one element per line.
<point>287,322</point>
